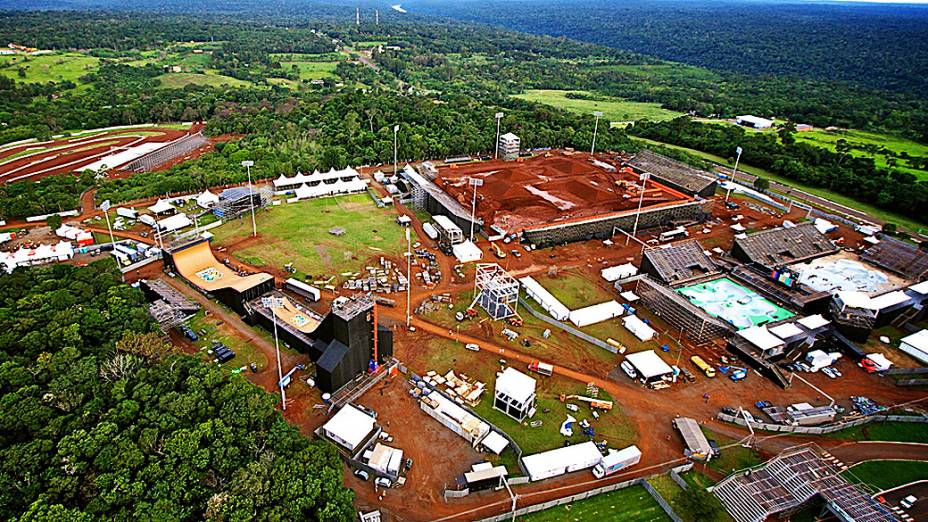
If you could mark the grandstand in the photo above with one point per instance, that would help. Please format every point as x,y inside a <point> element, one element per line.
<point>677,310</point>
<point>791,480</point>
<point>675,174</point>
<point>167,153</point>
<point>678,263</point>
<point>777,247</point>
<point>899,257</point>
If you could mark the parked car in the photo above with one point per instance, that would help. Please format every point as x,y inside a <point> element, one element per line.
<point>762,404</point>
<point>688,375</point>
<point>361,474</point>
<point>516,253</point>
<point>908,501</point>
<point>472,347</point>
<point>716,450</point>
<point>383,482</point>
<point>727,410</point>
<point>830,372</point>
<point>409,464</point>
<point>629,370</point>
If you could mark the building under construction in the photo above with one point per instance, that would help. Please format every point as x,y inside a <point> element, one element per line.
<point>778,247</point>
<point>678,311</point>
<point>673,173</point>
<point>678,263</point>
<point>168,307</point>
<point>898,257</point>
<point>497,291</point>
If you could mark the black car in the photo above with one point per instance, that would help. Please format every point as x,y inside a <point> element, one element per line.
<point>716,450</point>
<point>729,411</point>
<point>409,464</point>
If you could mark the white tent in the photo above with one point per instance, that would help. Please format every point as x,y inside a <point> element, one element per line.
<point>207,199</point>
<point>494,442</point>
<point>813,322</point>
<point>36,256</point>
<point>636,326</point>
<point>649,365</point>
<point>175,222</point>
<point>349,427</point>
<point>596,313</point>
<point>161,207</point>
<point>543,297</point>
<point>916,345</point>
<point>760,337</point>
<point>786,331</point>
<point>562,460</point>
<point>467,252</point>
<point>614,273</point>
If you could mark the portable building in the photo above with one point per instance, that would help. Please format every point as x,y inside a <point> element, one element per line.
<point>548,302</point>
<point>148,220</point>
<point>614,273</point>
<point>300,288</point>
<point>454,417</point>
<point>916,345</point>
<point>562,460</point>
<point>175,222</point>
<point>467,252</point>
<point>386,460</point>
<point>349,428</point>
<point>638,327</point>
<point>649,365</point>
<point>514,394</point>
<point>128,213</point>
<point>770,345</point>
<point>430,231</point>
<point>485,478</point>
<point>596,313</point>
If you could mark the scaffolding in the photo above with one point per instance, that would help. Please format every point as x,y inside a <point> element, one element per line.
<point>496,291</point>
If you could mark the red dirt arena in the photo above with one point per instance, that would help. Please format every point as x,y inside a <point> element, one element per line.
<point>35,160</point>
<point>548,188</point>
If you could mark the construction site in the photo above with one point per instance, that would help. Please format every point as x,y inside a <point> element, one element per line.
<point>559,359</point>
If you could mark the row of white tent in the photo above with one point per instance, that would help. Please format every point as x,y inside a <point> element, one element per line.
<point>36,256</point>
<point>328,189</point>
<point>285,183</point>
<point>580,317</point>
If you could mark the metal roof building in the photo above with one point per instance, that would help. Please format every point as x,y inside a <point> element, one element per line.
<point>675,174</point>
<point>678,263</point>
<point>782,246</point>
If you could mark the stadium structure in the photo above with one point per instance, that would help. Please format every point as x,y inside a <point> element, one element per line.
<point>673,173</point>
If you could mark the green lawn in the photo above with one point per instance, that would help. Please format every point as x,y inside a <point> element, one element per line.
<point>299,233</point>
<point>179,80</point>
<point>614,109</point>
<point>44,68</point>
<point>245,353</point>
<point>885,215</point>
<point>631,504</point>
<point>574,290</point>
<point>880,147</point>
<point>887,474</point>
<point>885,431</point>
<point>369,43</point>
<point>312,70</point>
<point>731,459</point>
<point>677,498</point>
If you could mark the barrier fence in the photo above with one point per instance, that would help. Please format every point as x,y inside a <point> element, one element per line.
<point>822,430</point>
<point>567,328</point>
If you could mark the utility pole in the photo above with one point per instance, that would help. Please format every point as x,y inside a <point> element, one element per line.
<point>251,198</point>
<point>396,129</point>
<point>473,210</point>
<point>644,182</point>
<point>598,114</point>
<point>499,118</point>
<point>273,303</point>
<point>106,214</point>
<point>376,16</point>
<point>408,276</point>
<point>734,172</point>
<point>357,16</point>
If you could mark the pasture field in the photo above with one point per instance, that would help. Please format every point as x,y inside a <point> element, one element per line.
<point>180,80</point>
<point>299,233</point>
<point>45,68</point>
<point>614,109</point>
<point>886,150</point>
<point>312,70</point>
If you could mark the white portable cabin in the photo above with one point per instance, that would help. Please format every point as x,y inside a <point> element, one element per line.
<point>543,297</point>
<point>637,327</point>
<point>596,313</point>
<point>430,231</point>
<point>562,460</point>
<point>300,288</point>
<point>916,345</point>
<point>349,428</point>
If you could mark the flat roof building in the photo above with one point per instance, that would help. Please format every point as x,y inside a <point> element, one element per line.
<point>509,146</point>
<point>514,394</point>
<point>754,122</point>
<point>349,428</point>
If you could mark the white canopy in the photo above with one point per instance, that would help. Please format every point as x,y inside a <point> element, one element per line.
<point>614,273</point>
<point>648,364</point>
<point>207,199</point>
<point>467,252</point>
<point>562,460</point>
<point>494,442</point>
<point>760,337</point>
<point>596,313</point>
<point>347,174</point>
<point>638,327</point>
<point>543,297</point>
<point>515,385</point>
<point>175,222</point>
<point>786,330</point>
<point>161,207</point>
<point>813,322</point>
<point>349,427</point>
<point>34,256</point>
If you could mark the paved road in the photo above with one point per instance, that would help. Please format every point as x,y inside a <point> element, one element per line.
<point>920,490</point>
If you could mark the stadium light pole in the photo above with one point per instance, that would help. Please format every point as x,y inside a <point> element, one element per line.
<point>734,172</point>
<point>598,114</point>
<point>473,209</point>
<point>408,275</point>
<point>254,224</point>
<point>106,214</point>
<point>499,118</point>
<point>396,130</point>
<point>644,181</point>
<point>273,303</point>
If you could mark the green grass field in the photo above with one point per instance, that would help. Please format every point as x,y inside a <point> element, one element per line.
<point>881,147</point>
<point>312,70</point>
<point>574,290</point>
<point>885,431</point>
<point>299,233</point>
<point>245,353</point>
<point>885,215</point>
<point>180,80</point>
<point>369,43</point>
<point>614,109</point>
<point>731,459</point>
<point>881,475</point>
<point>631,504</point>
<point>44,68</point>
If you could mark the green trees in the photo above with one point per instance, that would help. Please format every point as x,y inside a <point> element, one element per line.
<point>102,421</point>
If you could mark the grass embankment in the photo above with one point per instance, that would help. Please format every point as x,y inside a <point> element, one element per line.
<point>631,504</point>
<point>613,109</point>
<point>298,233</point>
<point>881,475</point>
<point>885,431</point>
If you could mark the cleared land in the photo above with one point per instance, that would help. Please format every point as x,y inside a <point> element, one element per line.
<point>180,80</point>
<point>887,474</point>
<point>298,233</point>
<point>44,68</point>
<point>614,109</point>
<point>883,148</point>
<point>312,70</point>
<point>632,504</point>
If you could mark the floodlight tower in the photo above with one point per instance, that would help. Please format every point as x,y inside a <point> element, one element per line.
<point>499,118</point>
<point>598,114</point>
<point>734,172</point>
<point>396,129</point>
<point>251,199</point>
<point>474,182</point>
<point>273,303</point>
<point>408,276</point>
<point>105,206</point>
<point>644,181</point>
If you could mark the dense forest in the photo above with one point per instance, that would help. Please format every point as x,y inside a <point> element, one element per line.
<point>103,421</point>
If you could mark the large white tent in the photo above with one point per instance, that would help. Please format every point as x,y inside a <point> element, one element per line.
<point>614,273</point>
<point>161,207</point>
<point>207,199</point>
<point>175,222</point>
<point>649,365</point>
<point>543,297</point>
<point>349,427</point>
<point>562,460</point>
<point>638,327</point>
<point>596,313</point>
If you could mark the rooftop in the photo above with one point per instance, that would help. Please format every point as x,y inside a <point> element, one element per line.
<point>671,170</point>
<point>779,246</point>
<point>680,261</point>
<point>898,256</point>
<point>515,384</point>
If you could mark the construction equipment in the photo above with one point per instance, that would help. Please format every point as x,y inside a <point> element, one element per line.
<point>515,321</point>
<point>497,251</point>
<point>594,403</point>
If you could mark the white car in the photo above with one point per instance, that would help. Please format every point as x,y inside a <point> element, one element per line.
<point>629,370</point>
<point>383,482</point>
<point>472,347</point>
<point>908,501</point>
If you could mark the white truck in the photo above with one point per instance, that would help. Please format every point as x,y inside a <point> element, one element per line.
<point>617,460</point>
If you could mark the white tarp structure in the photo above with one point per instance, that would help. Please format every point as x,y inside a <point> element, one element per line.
<point>814,322</point>
<point>161,207</point>
<point>74,234</point>
<point>596,313</point>
<point>467,252</point>
<point>786,331</point>
<point>175,222</point>
<point>916,345</point>
<point>494,442</point>
<point>207,199</point>
<point>880,361</point>
<point>824,226</point>
<point>36,256</point>
<point>386,459</point>
<point>562,460</point>
<point>861,300</point>
<point>629,296</point>
<point>349,427</point>
<point>614,273</point>
<point>760,337</point>
<point>548,302</point>
<point>637,327</point>
<point>818,359</point>
<point>285,183</point>
<point>119,159</point>
<point>920,288</point>
<point>148,220</point>
<point>328,189</point>
<point>128,213</point>
<point>649,365</point>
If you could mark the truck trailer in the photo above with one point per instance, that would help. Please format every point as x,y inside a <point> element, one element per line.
<point>617,460</point>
